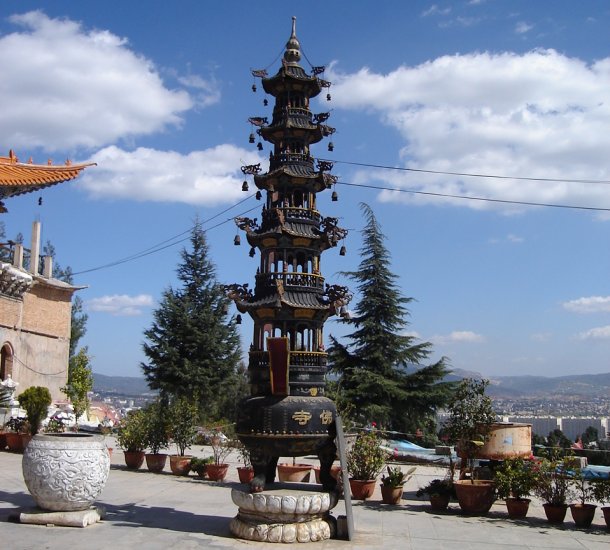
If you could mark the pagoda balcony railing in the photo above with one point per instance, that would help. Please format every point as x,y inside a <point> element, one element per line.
<point>266,282</point>
<point>281,159</point>
<point>291,213</point>
<point>281,114</point>
<point>260,359</point>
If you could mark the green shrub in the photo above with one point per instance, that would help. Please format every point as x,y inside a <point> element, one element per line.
<point>35,400</point>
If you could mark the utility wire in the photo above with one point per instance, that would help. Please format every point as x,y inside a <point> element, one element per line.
<point>464,174</point>
<point>470,198</point>
<point>162,245</point>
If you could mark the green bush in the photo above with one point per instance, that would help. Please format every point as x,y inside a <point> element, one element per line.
<point>131,431</point>
<point>35,400</point>
<point>366,458</point>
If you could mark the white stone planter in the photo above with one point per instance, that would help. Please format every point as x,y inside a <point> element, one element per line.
<point>65,472</point>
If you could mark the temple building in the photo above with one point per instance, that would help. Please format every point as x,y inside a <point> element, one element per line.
<point>35,308</point>
<point>288,413</point>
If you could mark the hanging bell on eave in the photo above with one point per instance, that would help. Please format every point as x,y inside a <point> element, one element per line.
<point>252,252</point>
<point>251,139</point>
<point>236,240</point>
<point>254,88</point>
<point>343,251</point>
<point>328,97</point>
<point>331,146</point>
<point>334,197</point>
<point>238,319</point>
<point>265,102</point>
<point>259,146</point>
<point>244,186</point>
<point>259,195</point>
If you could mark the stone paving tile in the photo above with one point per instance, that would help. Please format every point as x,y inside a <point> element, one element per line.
<point>161,511</point>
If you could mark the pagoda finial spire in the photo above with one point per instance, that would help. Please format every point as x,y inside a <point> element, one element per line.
<point>293,48</point>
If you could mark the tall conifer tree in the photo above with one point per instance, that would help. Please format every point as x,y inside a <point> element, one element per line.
<point>381,376</point>
<point>192,346</point>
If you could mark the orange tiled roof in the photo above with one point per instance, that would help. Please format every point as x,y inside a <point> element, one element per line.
<point>17,178</point>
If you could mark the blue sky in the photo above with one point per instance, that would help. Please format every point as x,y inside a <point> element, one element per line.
<point>160,98</point>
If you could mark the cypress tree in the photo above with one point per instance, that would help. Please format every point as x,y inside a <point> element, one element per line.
<point>381,376</point>
<point>192,347</point>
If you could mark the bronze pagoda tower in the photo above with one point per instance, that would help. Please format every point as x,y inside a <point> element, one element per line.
<point>287,413</point>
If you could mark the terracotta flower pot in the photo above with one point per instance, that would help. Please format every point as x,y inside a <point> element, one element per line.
<point>391,495</point>
<point>180,465</point>
<point>362,489</point>
<point>156,462</point>
<point>245,474</point>
<point>517,507</point>
<point>217,472</point>
<point>583,514</point>
<point>133,459</point>
<point>555,513</point>
<point>294,472</point>
<point>14,441</point>
<point>606,512</point>
<point>475,497</point>
<point>439,502</point>
<point>335,471</point>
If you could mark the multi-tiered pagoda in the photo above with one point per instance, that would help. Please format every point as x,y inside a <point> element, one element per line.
<point>287,413</point>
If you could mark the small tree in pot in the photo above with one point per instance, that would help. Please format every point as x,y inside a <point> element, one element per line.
<point>515,480</point>
<point>131,436</point>
<point>364,462</point>
<point>471,415</point>
<point>35,400</point>
<point>553,486</point>
<point>582,511</point>
<point>183,416</point>
<point>157,434</point>
<point>601,493</point>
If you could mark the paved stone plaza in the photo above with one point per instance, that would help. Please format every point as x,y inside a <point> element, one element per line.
<point>161,511</point>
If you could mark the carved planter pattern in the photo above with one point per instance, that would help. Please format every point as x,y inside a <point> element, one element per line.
<point>65,472</point>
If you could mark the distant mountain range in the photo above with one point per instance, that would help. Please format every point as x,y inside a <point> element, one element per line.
<point>120,385</point>
<point>531,386</point>
<point>501,386</point>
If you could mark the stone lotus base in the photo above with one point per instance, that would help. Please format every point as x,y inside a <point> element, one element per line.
<point>284,515</point>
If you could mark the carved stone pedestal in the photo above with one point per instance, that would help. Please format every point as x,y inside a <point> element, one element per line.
<point>284,515</point>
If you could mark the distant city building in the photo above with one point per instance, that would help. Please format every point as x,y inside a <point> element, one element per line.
<point>541,425</point>
<point>573,427</point>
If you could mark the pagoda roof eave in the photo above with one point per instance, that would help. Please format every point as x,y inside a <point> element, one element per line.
<point>18,178</point>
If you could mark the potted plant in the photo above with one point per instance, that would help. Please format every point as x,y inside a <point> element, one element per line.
<point>221,448</point>
<point>439,491</point>
<point>471,415</point>
<point>131,436</point>
<point>200,465</point>
<point>35,400</point>
<point>245,472</point>
<point>5,401</point>
<point>157,435</point>
<point>515,480</point>
<point>553,486</point>
<point>183,416</point>
<point>364,462</point>
<point>16,429</point>
<point>601,493</point>
<point>298,472</point>
<point>582,511</point>
<point>392,485</point>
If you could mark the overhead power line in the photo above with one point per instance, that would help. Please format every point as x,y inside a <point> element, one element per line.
<point>465,174</point>
<point>180,237</point>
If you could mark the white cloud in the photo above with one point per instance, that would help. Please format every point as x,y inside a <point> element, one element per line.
<point>65,87</point>
<point>435,10</point>
<point>598,333</point>
<point>207,177</point>
<point>120,305</point>
<point>539,115</point>
<point>510,238</point>
<point>590,304</point>
<point>460,336</point>
<point>522,27</point>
